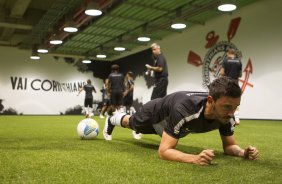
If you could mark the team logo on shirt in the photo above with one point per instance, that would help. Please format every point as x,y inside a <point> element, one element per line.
<point>212,62</point>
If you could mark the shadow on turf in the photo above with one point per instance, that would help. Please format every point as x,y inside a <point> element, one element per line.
<point>154,144</point>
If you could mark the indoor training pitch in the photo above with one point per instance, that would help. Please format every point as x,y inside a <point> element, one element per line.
<point>47,149</point>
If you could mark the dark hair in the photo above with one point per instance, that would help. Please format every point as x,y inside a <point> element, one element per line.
<point>130,73</point>
<point>224,86</point>
<point>115,67</point>
<point>231,51</point>
<point>88,81</point>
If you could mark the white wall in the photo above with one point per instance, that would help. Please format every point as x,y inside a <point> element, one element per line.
<point>16,63</point>
<point>258,38</point>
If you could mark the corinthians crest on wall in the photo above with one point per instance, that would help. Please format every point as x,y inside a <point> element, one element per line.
<point>216,53</point>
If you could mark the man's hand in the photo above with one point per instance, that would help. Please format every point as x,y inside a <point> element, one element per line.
<point>251,153</point>
<point>205,157</point>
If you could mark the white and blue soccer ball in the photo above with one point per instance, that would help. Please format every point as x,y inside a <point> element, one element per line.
<point>88,129</point>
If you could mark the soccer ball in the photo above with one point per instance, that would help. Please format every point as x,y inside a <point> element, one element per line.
<point>88,129</point>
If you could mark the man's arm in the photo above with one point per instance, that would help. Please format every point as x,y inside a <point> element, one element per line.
<point>81,89</point>
<point>167,151</point>
<point>222,72</point>
<point>127,91</point>
<point>231,148</point>
<point>154,68</point>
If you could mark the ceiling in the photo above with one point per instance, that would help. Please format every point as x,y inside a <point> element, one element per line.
<point>28,24</point>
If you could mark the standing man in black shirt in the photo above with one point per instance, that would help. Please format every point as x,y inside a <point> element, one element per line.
<point>128,99</point>
<point>128,93</point>
<point>178,114</point>
<point>160,72</point>
<point>232,67</point>
<point>116,87</point>
<point>105,99</point>
<point>88,101</point>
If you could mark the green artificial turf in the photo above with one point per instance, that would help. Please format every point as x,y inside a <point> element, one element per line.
<point>46,149</point>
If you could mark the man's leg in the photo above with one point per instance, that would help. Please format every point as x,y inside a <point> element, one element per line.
<point>118,119</point>
<point>154,93</point>
<point>236,116</point>
<point>104,108</point>
<point>160,89</point>
<point>90,108</point>
<point>134,133</point>
<point>90,112</point>
<point>132,110</point>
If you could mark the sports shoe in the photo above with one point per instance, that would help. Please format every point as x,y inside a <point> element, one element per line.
<point>91,114</point>
<point>101,116</point>
<point>137,136</point>
<point>108,129</point>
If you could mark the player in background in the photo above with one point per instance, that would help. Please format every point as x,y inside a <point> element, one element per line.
<point>232,67</point>
<point>105,99</point>
<point>116,87</point>
<point>128,99</point>
<point>159,71</point>
<point>88,100</point>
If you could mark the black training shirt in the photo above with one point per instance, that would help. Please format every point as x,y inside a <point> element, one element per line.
<point>184,114</point>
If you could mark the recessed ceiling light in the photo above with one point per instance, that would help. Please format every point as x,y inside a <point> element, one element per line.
<point>43,51</point>
<point>119,49</point>
<point>55,40</point>
<point>34,57</point>
<point>70,29</point>
<point>101,56</point>
<point>70,26</point>
<point>86,61</point>
<point>93,12</point>
<point>178,26</point>
<point>143,39</point>
<point>93,9</point>
<point>226,7</point>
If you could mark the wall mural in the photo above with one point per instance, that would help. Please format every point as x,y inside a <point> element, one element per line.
<point>212,62</point>
<point>99,69</point>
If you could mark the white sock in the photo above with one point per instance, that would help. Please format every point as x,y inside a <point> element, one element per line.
<point>117,118</point>
<point>122,109</point>
<point>132,110</point>
<point>86,110</point>
<point>236,116</point>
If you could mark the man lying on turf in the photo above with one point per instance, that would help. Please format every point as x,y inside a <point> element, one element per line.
<point>178,114</point>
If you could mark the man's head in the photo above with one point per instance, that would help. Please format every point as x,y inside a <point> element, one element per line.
<point>130,74</point>
<point>115,68</point>
<point>231,53</point>
<point>88,81</point>
<point>156,49</point>
<point>224,86</point>
<point>224,98</point>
